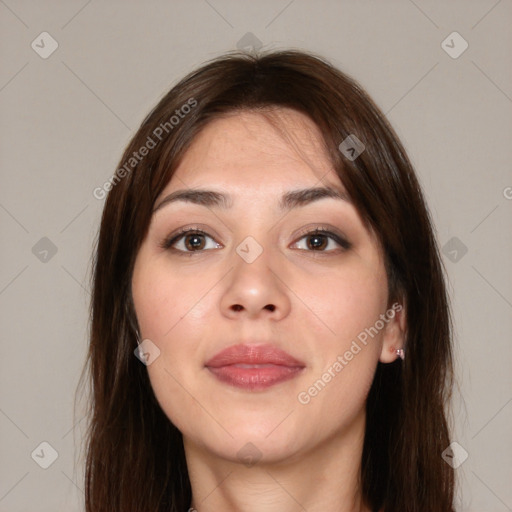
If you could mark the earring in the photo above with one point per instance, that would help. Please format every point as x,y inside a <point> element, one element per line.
<point>400,353</point>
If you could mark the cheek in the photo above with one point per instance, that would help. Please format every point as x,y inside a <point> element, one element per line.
<point>164,299</point>
<point>171,315</point>
<point>344,368</point>
<point>343,303</point>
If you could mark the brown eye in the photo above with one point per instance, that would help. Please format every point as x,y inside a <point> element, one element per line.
<point>189,240</point>
<point>194,242</point>
<point>319,241</point>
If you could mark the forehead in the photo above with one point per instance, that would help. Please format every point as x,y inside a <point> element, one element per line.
<point>259,150</point>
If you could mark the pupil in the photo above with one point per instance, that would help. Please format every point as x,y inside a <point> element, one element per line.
<point>194,242</point>
<point>318,241</point>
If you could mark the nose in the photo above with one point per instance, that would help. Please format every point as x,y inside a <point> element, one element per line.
<point>255,290</point>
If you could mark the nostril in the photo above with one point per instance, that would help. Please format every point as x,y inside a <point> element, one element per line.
<point>237,307</point>
<point>270,306</point>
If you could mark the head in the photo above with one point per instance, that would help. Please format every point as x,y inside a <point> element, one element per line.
<point>267,141</point>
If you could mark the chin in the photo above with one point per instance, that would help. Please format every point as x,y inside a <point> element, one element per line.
<point>252,451</point>
<point>251,443</point>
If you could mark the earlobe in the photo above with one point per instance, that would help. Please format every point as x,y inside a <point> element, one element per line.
<point>393,341</point>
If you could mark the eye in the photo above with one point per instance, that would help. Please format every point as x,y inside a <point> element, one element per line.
<point>320,239</point>
<point>189,240</point>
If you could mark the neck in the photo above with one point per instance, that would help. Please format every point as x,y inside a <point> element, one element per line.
<point>322,478</point>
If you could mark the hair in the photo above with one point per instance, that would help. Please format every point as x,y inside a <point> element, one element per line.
<point>135,458</point>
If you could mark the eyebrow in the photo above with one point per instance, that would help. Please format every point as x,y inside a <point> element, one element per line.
<point>289,200</point>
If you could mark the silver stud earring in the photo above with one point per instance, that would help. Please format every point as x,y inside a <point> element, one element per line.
<point>400,353</point>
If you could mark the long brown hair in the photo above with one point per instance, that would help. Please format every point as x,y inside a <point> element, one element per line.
<point>135,458</point>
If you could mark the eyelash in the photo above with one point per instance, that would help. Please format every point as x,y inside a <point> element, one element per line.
<point>167,243</point>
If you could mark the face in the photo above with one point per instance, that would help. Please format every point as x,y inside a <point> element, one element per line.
<point>252,271</point>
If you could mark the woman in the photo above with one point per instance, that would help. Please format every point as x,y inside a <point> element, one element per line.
<point>270,328</point>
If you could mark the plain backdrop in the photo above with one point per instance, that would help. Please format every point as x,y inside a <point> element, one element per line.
<point>66,117</point>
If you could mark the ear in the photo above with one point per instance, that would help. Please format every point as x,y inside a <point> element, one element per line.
<point>394,333</point>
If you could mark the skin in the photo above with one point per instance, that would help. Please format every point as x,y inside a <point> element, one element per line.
<point>193,306</point>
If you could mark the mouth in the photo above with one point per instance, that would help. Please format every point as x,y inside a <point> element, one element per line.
<point>254,367</point>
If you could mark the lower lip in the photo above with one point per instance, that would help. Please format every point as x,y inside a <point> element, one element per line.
<point>256,377</point>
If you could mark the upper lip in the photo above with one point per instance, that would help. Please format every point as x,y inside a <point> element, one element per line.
<point>253,354</point>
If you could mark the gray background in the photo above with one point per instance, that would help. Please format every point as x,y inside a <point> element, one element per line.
<point>66,119</point>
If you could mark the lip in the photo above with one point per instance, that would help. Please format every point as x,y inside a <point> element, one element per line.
<point>254,367</point>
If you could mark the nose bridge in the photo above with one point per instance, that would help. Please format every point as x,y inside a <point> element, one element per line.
<point>255,288</point>
<point>253,261</point>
